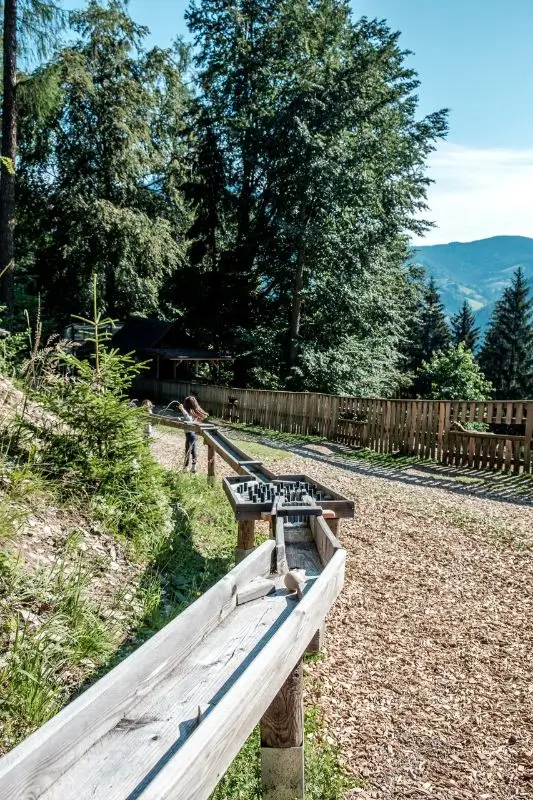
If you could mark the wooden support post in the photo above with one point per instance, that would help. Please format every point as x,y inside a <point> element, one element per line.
<point>334,524</point>
<point>211,465</point>
<point>316,645</point>
<point>282,742</point>
<point>245,539</point>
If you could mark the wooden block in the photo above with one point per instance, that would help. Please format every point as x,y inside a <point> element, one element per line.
<point>282,773</point>
<point>258,587</point>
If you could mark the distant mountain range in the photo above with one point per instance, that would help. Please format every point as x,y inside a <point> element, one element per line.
<point>476,271</point>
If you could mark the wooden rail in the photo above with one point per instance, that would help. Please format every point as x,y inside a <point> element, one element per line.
<point>166,723</point>
<point>421,428</point>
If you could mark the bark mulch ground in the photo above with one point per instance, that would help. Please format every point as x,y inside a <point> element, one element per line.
<point>427,679</point>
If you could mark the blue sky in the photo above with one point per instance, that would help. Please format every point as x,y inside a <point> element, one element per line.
<point>474,57</point>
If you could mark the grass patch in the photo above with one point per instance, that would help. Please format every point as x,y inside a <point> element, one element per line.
<point>287,438</point>
<point>396,460</point>
<point>51,636</point>
<point>325,777</point>
<point>262,450</point>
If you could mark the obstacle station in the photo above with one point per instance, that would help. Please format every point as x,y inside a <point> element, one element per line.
<point>168,721</point>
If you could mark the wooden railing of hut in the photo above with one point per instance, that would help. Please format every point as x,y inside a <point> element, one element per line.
<point>424,428</point>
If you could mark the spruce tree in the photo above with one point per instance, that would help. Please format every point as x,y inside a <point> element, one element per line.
<point>506,357</point>
<point>429,333</point>
<point>463,327</point>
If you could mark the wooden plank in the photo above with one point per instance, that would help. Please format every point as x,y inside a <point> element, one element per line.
<point>500,449</point>
<point>121,763</point>
<point>281,554</point>
<point>194,771</point>
<point>33,766</point>
<point>516,456</point>
<point>254,589</point>
<point>440,430</point>
<point>528,461</point>
<point>432,429</point>
<point>326,543</point>
<point>477,450</point>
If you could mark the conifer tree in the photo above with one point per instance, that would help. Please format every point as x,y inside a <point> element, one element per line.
<point>429,334</point>
<point>464,328</point>
<point>506,357</point>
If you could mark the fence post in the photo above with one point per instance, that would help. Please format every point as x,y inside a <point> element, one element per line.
<point>440,434</point>
<point>528,466</point>
<point>282,742</point>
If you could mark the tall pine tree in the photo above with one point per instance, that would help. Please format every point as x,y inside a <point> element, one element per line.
<point>100,176</point>
<point>506,357</point>
<point>464,327</point>
<point>428,334</point>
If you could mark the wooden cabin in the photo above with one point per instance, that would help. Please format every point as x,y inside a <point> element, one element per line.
<point>170,352</point>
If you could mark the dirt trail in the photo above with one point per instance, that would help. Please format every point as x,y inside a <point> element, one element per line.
<point>427,682</point>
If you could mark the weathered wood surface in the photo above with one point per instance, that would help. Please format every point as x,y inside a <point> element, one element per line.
<point>282,725</point>
<point>193,772</point>
<point>256,588</point>
<point>327,543</point>
<point>36,764</point>
<point>182,735</point>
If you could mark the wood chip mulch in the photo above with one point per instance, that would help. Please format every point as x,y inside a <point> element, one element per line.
<point>427,683</point>
<point>427,680</point>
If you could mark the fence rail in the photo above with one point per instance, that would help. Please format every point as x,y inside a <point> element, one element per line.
<point>425,428</point>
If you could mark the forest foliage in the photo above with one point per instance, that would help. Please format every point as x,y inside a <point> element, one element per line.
<point>261,183</point>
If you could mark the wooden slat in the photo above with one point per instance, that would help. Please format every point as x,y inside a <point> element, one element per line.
<point>195,770</point>
<point>31,768</point>
<point>528,461</point>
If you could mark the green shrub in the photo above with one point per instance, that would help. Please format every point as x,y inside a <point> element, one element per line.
<point>90,440</point>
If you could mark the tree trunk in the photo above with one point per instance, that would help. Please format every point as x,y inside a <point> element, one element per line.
<point>296,309</point>
<point>9,150</point>
<point>298,285</point>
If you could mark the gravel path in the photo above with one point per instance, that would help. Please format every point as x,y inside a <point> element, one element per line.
<point>427,683</point>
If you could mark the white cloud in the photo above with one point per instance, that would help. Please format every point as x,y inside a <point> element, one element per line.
<point>479,193</point>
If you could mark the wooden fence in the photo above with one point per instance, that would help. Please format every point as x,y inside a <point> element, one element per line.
<point>424,428</point>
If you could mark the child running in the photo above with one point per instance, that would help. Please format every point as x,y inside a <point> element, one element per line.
<point>193,412</point>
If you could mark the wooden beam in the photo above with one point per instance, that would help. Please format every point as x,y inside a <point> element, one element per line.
<point>194,771</point>
<point>326,542</point>
<point>211,472</point>
<point>282,740</point>
<point>37,763</point>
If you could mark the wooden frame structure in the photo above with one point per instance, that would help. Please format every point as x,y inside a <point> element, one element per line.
<point>169,719</point>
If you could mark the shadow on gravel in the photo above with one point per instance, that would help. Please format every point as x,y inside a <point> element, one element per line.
<point>492,485</point>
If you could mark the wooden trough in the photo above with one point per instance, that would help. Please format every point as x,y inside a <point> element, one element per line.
<point>168,721</point>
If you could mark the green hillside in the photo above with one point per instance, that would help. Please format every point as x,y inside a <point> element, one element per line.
<point>477,271</point>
